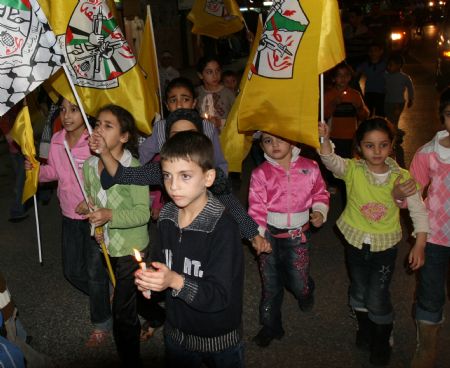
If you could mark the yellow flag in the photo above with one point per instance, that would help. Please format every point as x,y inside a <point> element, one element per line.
<point>99,59</point>
<point>216,18</point>
<point>281,95</point>
<point>22,133</point>
<point>148,61</point>
<point>235,144</point>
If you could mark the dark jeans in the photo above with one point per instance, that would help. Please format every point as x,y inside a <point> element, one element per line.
<point>375,103</point>
<point>432,284</point>
<point>370,279</point>
<point>17,209</point>
<point>177,357</point>
<point>83,267</point>
<point>126,325</point>
<point>286,266</point>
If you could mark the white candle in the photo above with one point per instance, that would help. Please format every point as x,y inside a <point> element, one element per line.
<point>143,267</point>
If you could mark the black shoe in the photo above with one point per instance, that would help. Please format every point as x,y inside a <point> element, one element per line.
<point>306,304</point>
<point>17,219</point>
<point>265,337</point>
<point>380,349</point>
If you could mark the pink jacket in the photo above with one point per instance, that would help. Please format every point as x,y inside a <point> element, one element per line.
<point>59,168</point>
<point>283,198</point>
<point>427,167</point>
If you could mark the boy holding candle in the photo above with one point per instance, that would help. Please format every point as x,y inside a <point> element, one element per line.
<point>200,261</point>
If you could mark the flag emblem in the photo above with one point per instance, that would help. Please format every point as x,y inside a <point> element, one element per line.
<point>28,51</point>
<point>96,47</point>
<point>277,49</point>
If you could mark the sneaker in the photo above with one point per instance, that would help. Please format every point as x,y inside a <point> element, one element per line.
<point>265,337</point>
<point>97,338</point>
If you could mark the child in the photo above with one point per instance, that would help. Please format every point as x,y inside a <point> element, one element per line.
<point>283,190</point>
<point>150,174</point>
<point>82,259</point>
<point>180,95</point>
<point>430,167</point>
<point>230,80</point>
<point>123,211</point>
<point>200,262</point>
<point>371,227</point>
<point>396,83</point>
<point>373,70</point>
<point>214,99</point>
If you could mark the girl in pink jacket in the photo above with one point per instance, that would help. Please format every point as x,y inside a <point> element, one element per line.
<point>287,192</point>
<point>82,259</point>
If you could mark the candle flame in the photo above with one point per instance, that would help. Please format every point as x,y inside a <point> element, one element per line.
<point>206,115</point>
<point>137,255</point>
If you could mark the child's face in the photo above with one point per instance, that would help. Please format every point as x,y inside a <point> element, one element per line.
<point>181,126</point>
<point>276,148</point>
<point>393,67</point>
<point>180,98</point>
<point>342,78</point>
<point>71,117</point>
<point>375,148</point>
<point>375,54</point>
<point>108,126</point>
<point>211,74</point>
<point>186,182</point>
<point>230,82</point>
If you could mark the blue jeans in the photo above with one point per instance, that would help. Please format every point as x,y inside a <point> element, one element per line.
<point>370,279</point>
<point>83,267</point>
<point>17,209</point>
<point>432,284</point>
<point>286,266</point>
<point>177,357</point>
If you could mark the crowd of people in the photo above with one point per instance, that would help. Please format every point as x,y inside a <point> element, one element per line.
<point>197,266</point>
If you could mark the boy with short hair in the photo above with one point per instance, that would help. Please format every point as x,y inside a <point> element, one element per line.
<point>203,261</point>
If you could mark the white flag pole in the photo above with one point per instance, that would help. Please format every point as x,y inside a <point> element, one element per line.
<point>38,233</point>
<point>155,57</point>
<point>77,97</point>
<point>322,109</point>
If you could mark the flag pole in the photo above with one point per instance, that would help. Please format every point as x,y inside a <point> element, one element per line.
<point>36,217</point>
<point>322,108</point>
<point>77,98</point>
<point>97,230</point>
<point>155,57</point>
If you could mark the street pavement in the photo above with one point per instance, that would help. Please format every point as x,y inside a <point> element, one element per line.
<point>57,317</point>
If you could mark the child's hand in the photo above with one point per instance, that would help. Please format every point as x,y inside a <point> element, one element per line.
<point>324,130</point>
<point>27,163</point>
<point>82,208</point>
<point>100,217</point>
<point>416,257</point>
<point>403,190</point>
<point>316,219</point>
<point>158,279</point>
<point>97,143</point>
<point>261,245</point>
<point>155,213</point>
<point>216,121</point>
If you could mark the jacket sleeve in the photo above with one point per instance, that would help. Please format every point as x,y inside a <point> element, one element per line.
<point>319,194</point>
<point>214,291</point>
<point>148,149</point>
<point>257,200</point>
<point>48,172</point>
<point>149,174</point>
<point>219,159</point>
<point>137,214</point>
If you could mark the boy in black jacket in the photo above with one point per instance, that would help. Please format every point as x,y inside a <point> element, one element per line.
<point>203,261</point>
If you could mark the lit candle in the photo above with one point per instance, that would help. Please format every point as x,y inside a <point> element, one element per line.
<point>206,115</point>
<point>143,267</point>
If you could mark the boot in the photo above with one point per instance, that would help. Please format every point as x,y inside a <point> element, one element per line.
<point>380,349</point>
<point>427,335</point>
<point>363,334</point>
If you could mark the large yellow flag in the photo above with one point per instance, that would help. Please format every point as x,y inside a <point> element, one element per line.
<point>235,144</point>
<point>99,59</point>
<point>281,95</point>
<point>148,61</point>
<point>22,133</point>
<point>216,18</point>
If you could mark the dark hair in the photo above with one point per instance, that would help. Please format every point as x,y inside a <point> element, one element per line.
<point>190,146</point>
<point>444,101</point>
<point>127,125</point>
<point>180,82</point>
<point>375,123</point>
<point>201,64</point>
<point>396,58</point>
<point>342,65</point>
<point>184,114</point>
<point>229,73</point>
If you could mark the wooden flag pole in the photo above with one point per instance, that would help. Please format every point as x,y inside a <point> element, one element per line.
<point>98,230</point>
<point>155,57</point>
